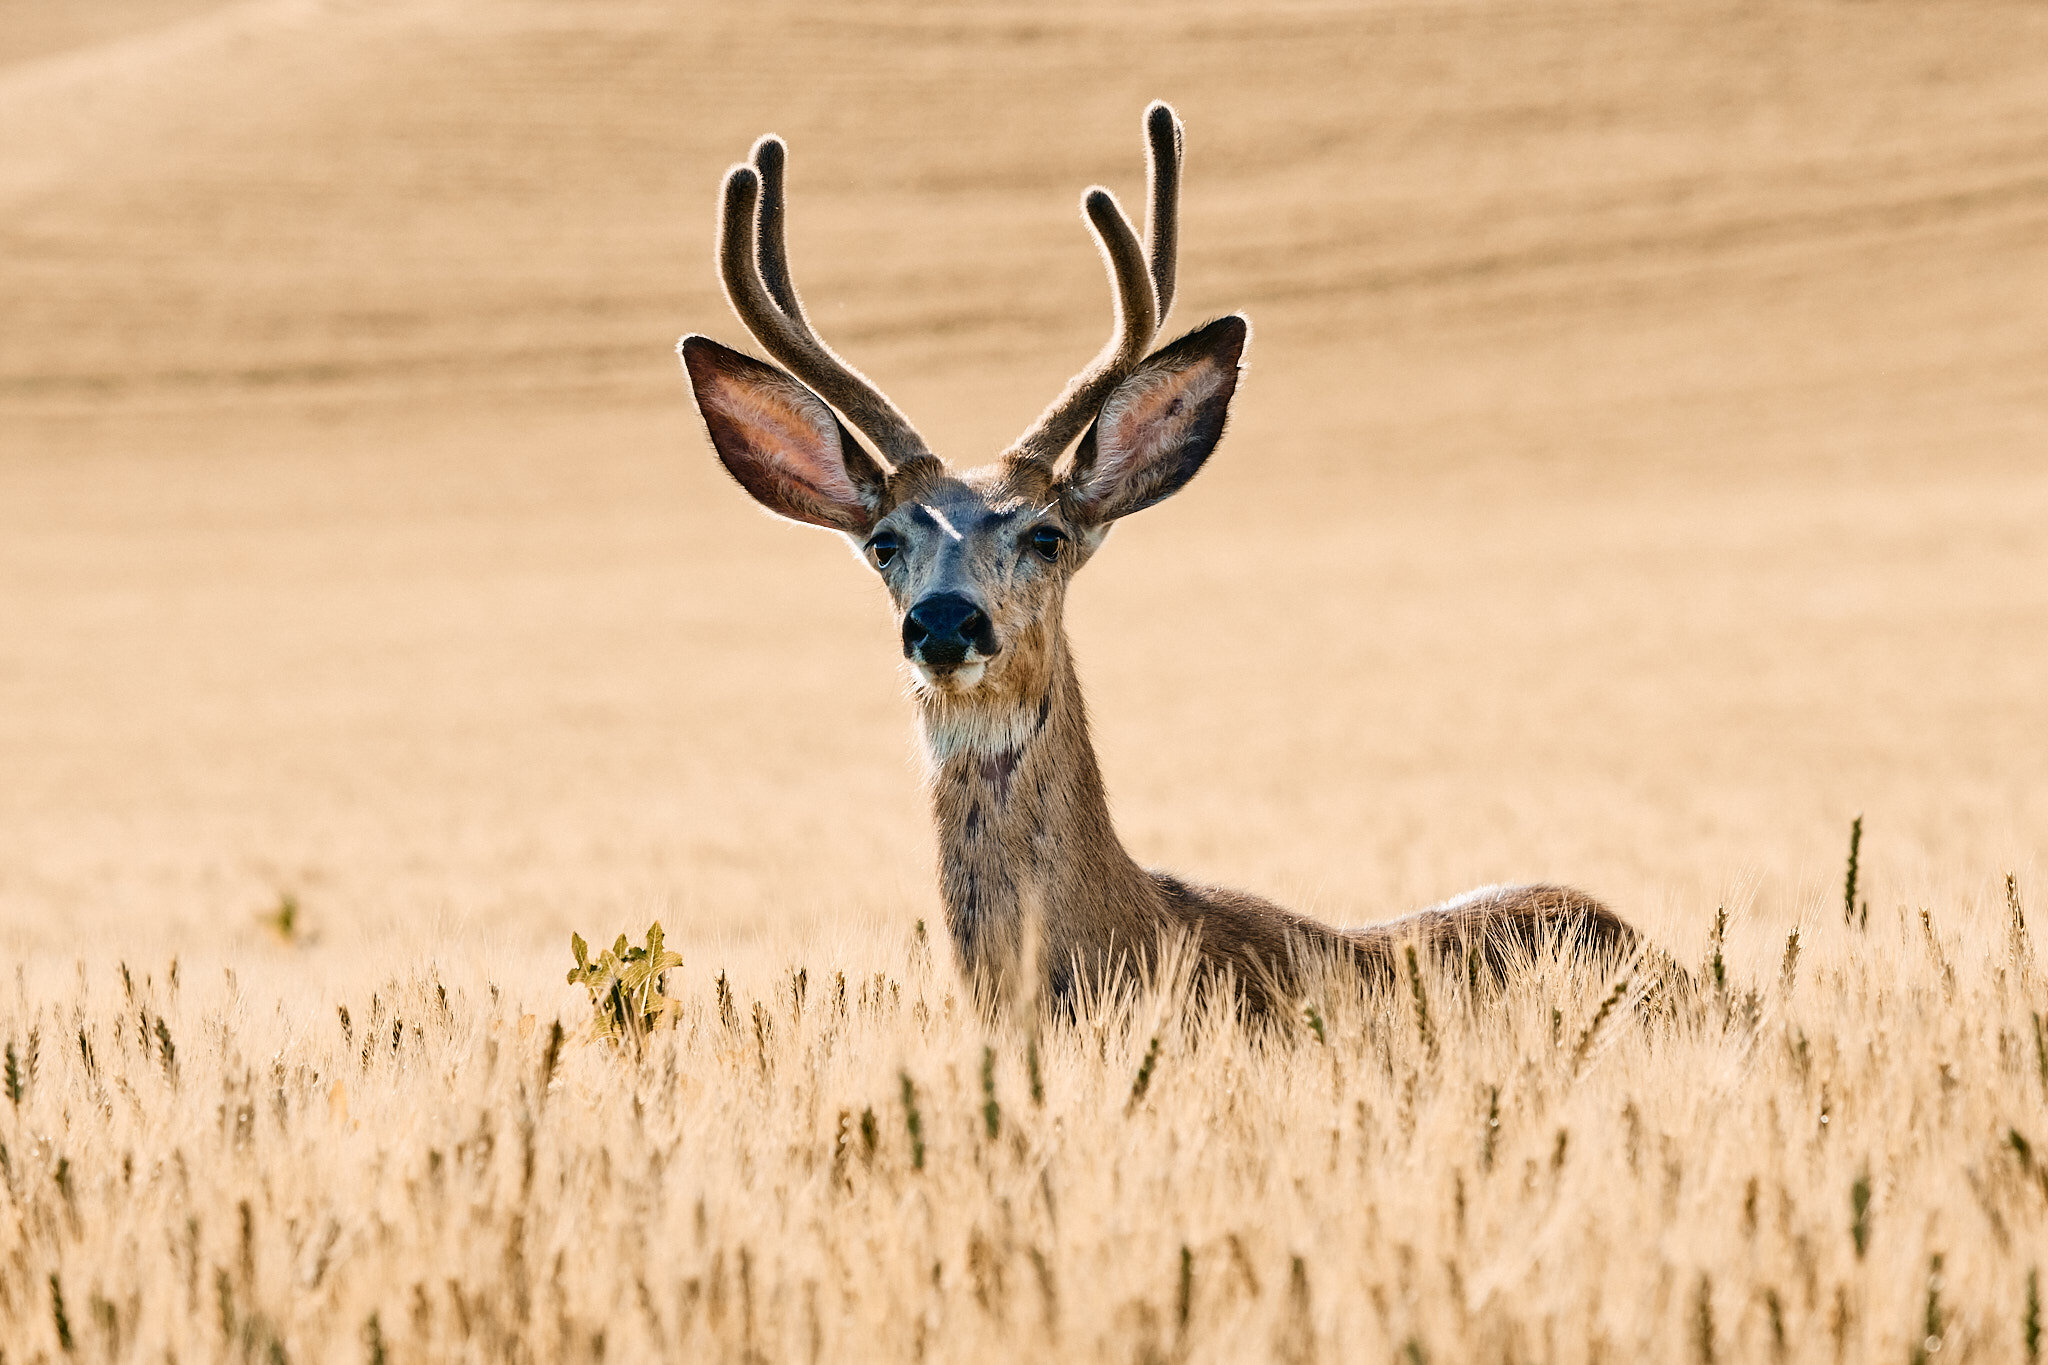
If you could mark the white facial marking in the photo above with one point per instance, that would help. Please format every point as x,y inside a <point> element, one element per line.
<point>940,517</point>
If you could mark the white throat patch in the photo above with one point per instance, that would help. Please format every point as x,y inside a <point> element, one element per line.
<point>948,731</point>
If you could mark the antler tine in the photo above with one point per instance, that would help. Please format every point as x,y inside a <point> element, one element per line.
<point>1137,322</point>
<point>771,247</point>
<point>749,247</point>
<point>1162,218</point>
<point>1143,279</point>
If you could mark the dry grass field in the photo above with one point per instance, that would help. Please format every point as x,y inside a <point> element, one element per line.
<point>1642,470</point>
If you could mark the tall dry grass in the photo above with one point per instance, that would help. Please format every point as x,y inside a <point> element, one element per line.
<point>1838,1153</point>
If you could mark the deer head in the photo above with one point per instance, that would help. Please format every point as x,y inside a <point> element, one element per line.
<point>977,560</point>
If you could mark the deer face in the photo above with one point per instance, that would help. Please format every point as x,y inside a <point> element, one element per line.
<point>976,567</point>
<point>976,563</point>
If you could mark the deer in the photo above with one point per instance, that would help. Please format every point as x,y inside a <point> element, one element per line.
<point>1041,898</point>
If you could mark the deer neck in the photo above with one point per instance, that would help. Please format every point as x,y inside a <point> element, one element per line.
<point>1029,862</point>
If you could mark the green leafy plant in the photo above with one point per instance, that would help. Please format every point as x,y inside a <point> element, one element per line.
<point>1315,1021</point>
<point>1143,1082</point>
<point>1849,882</point>
<point>991,1112</point>
<point>1859,1212</point>
<point>284,920</point>
<point>1423,1028</point>
<point>626,984</point>
<point>1717,964</point>
<point>2030,1319</point>
<point>913,1123</point>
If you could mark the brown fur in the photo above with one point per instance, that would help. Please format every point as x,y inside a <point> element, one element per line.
<point>1040,896</point>
<point>1030,867</point>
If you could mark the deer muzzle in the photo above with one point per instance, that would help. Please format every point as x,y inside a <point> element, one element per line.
<point>945,630</point>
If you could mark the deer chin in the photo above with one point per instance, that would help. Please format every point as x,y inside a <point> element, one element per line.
<point>958,679</point>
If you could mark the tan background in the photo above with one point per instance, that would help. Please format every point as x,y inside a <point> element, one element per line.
<point>1643,468</point>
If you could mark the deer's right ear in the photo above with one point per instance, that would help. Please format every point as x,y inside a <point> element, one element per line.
<point>781,441</point>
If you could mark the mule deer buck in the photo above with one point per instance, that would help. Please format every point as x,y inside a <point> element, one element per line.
<point>977,562</point>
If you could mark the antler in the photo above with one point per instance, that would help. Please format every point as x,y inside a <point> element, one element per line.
<point>1143,280</point>
<point>753,258</point>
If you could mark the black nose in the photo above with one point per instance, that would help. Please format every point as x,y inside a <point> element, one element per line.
<point>940,629</point>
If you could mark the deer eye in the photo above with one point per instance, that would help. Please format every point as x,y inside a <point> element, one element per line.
<point>882,549</point>
<point>1046,542</point>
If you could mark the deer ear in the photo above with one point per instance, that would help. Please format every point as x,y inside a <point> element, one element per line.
<point>781,441</point>
<point>1158,426</point>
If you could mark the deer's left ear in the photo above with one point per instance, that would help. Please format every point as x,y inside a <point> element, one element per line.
<point>1157,427</point>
